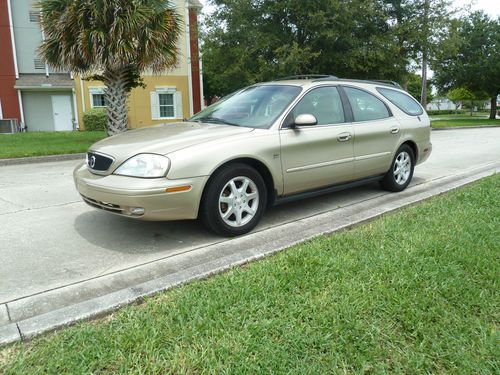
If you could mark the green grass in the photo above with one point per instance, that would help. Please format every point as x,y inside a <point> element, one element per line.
<point>46,143</point>
<point>463,121</point>
<point>412,292</point>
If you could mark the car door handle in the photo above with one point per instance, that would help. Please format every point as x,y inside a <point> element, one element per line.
<point>394,130</point>
<point>344,137</point>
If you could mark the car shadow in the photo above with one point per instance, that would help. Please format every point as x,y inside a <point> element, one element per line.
<point>133,236</point>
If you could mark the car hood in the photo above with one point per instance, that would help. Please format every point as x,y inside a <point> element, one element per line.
<point>163,139</point>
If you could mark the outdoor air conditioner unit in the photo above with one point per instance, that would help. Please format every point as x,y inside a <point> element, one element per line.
<point>8,125</point>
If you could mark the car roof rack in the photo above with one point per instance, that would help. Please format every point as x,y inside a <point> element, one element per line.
<point>387,82</point>
<point>307,76</point>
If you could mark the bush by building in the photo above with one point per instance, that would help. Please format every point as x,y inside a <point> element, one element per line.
<point>95,119</point>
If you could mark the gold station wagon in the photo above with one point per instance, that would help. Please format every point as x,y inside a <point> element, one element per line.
<point>263,145</point>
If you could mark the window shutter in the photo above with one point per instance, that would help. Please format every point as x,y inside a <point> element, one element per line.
<point>155,106</point>
<point>178,105</point>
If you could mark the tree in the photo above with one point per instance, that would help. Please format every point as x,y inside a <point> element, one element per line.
<point>247,41</point>
<point>113,41</point>
<point>471,58</point>
<point>414,87</point>
<point>458,95</point>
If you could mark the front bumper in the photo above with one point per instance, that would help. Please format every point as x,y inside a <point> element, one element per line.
<point>125,195</point>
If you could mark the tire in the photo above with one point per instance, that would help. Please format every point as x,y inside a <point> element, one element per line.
<point>401,172</point>
<point>225,208</point>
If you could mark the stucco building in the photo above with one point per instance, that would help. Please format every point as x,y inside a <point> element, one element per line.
<point>46,100</point>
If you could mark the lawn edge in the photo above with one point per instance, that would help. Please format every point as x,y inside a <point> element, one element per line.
<point>41,159</point>
<point>465,127</point>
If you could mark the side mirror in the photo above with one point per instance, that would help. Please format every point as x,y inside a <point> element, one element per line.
<point>305,119</point>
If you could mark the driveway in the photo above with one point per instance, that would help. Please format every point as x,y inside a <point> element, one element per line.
<point>56,251</point>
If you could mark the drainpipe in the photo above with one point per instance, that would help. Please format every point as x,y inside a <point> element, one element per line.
<point>75,111</point>
<point>13,40</point>
<point>46,65</point>
<point>202,93</point>
<point>188,49</point>
<point>21,108</point>
<point>82,95</point>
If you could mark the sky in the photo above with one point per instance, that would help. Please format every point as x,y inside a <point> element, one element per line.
<point>492,7</point>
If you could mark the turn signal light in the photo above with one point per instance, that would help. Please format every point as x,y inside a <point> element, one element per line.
<point>178,189</point>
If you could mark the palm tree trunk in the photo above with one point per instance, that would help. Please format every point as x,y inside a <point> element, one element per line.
<point>116,95</point>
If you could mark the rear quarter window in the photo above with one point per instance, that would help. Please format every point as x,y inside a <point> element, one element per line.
<point>401,100</point>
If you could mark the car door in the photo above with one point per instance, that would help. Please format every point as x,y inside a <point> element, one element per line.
<point>322,154</point>
<point>376,133</point>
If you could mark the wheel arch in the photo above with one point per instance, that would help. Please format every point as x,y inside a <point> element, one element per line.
<point>413,146</point>
<point>259,166</point>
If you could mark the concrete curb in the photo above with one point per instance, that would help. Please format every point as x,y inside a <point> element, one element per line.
<point>466,127</point>
<point>41,159</point>
<point>252,247</point>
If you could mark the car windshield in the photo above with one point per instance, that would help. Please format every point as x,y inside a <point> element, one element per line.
<point>255,106</point>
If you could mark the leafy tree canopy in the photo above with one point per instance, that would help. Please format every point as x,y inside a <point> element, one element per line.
<point>471,57</point>
<point>247,41</point>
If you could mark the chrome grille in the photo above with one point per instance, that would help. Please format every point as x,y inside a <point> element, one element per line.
<point>99,162</point>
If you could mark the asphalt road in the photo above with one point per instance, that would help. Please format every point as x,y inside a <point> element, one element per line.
<point>50,240</point>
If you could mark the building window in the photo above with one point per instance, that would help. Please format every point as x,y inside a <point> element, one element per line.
<point>167,107</point>
<point>34,16</point>
<point>97,98</point>
<point>166,104</point>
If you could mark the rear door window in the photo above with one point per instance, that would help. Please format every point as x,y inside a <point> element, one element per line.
<point>401,100</point>
<point>365,106</point>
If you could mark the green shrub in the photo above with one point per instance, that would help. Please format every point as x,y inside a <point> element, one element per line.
<point>444,112</point>
<point>95,119</point>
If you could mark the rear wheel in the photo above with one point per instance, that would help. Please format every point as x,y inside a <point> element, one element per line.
<point>399,176</point>
<point>234,200</point>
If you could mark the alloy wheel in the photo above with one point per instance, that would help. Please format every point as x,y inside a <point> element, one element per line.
<point>402,168</point>
<point>238,201</point>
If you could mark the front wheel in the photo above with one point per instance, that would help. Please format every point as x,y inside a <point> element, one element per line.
<point>234,200</point>
<point>399,176</point>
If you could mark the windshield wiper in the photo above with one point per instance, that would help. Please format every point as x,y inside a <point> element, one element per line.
<point>215,120</point>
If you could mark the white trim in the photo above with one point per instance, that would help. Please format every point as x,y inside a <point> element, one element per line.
<point>12,39</point>
<point>189,62</point>
<point>21,107</point>
<point>166,89</point>
<point>1,112</point>
<point>75,110</point>
<point>82,94</point>
<point>202,93</point>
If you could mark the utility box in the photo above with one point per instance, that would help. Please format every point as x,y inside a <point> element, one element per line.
<point>8,126</point>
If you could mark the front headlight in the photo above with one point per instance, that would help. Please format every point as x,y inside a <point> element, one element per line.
<point>144,166</point>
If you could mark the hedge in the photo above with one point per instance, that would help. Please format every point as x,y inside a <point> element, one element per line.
<point>95,119</point>
<point>444,112</point>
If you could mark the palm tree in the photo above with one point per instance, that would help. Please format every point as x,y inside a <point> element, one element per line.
<point>113,41</point>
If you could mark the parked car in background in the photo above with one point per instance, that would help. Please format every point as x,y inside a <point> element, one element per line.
<point>263,145</point>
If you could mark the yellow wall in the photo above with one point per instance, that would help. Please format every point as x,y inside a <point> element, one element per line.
<point>140,98</point>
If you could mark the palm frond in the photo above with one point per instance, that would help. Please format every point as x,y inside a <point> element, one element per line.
<point>92,35</point>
